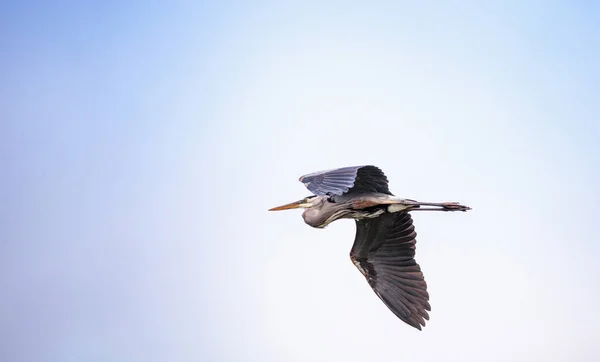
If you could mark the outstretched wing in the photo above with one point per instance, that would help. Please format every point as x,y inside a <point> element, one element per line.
<point>383,251</point>
<point>355,179</point>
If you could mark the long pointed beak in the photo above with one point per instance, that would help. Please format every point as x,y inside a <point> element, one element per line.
<point>292,205</point>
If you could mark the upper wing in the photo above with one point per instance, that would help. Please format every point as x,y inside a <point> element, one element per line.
<point>355,179</point>
<point>384,251</point>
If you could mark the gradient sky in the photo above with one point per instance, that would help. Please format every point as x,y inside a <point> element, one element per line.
<point>142,143</point>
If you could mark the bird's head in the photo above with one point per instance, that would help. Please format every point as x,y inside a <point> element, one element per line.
<point>304,203</point>
<point>316,214</point>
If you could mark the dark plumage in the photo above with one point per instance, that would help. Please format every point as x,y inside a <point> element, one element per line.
<point>384,251</point>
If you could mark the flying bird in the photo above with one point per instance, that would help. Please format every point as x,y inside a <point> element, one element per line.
<point>384,246</point>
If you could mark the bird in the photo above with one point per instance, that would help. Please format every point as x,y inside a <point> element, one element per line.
<point>385,240</point>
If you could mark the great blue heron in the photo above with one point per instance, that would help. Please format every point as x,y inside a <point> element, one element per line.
<point>384,246</point>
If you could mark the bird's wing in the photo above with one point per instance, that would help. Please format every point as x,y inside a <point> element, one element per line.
<point>383,251</point>
<point>355,179</point>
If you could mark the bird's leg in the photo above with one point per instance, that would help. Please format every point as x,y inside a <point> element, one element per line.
<point>416,205</point>
<point>464,208</point>
<point>439,206</point>
<point>397,204</point>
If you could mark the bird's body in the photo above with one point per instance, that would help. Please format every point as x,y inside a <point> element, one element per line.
<point>327,209</point>
<point>384,246</point>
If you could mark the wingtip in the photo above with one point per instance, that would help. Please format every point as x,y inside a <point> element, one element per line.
<point>418,324</point>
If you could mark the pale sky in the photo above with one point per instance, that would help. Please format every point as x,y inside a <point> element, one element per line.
<point>143,143</point>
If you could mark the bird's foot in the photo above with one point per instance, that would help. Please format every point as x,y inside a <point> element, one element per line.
<point>455,206</point>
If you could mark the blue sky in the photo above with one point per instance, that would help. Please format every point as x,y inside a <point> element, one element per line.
<point>142,144</point>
